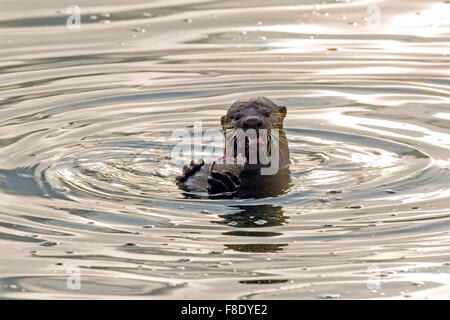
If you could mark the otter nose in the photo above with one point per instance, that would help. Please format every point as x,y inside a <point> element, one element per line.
<point>252,122</point>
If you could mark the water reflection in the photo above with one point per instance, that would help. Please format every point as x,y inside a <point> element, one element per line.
<point>254,216</point>
<point>256,247</point>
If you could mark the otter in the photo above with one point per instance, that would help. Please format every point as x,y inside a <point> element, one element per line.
<point>246,157</point>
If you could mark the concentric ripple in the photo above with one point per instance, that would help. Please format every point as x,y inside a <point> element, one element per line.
<point>87,178</point>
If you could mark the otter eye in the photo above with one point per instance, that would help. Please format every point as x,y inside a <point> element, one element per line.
<point>237,116</point>
<point>267,114</point>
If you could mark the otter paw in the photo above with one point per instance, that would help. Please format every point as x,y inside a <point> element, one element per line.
<point>190,170</point>
<point>223,182</point>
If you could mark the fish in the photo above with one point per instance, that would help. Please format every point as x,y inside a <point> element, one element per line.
<point>197,177</point>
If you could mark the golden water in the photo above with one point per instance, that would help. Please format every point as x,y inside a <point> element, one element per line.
<point>86,178</point>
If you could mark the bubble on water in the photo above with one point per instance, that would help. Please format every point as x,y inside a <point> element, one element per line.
<point>130,244</point>
<point>374,224</point>
<point>232,223</point>
<point>391,272</point>
<point>61,189</point>
<point>49,244</point>
<point>214,265</point>
<point>260,222</point>
<point>138,29</point>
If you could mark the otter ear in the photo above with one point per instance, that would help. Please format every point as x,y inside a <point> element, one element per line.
<point>224,121</point>
<point>281,110</point>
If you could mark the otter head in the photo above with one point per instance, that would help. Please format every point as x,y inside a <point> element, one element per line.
<point>255,114</point>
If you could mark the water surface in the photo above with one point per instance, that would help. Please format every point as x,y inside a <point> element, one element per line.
<point>86,178</point>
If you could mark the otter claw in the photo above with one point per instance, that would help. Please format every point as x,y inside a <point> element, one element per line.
<point>190,170</point>
<point>223,182</point>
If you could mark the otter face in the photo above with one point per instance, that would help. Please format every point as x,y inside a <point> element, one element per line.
<point>255,113</point>
<point>251,122</point>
